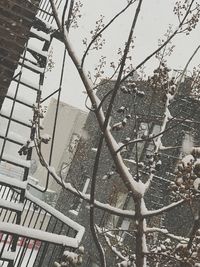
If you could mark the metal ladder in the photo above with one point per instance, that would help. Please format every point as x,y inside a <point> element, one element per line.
<point>32,63</point>
<point>15,202</point>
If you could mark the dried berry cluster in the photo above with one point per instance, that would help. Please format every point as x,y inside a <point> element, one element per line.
<point>71,259</point>
<point>76,14</point>
<point>195,85</point>
<point>154,162</point>
<point>161,81</point>
<point>187,179</point>
<point>131,88</point>
<point>190,256</point>
<point>40,111</point>
<point>182,8</point>
<point>176,251</point>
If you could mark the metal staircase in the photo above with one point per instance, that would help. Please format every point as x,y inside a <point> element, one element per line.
<point>24,219</point>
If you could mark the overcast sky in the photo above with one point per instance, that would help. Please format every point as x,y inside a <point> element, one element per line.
<point>154,19</point>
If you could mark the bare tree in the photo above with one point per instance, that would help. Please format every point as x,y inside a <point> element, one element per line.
<point>185,184</point>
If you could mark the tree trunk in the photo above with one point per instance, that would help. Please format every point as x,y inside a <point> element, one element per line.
<point>140,259</point>
<point>185,264</point>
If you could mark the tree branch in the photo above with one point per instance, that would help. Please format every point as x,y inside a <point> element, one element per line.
<point>86,197</point>
<point>103,29</point>
<point>166,233</point>
<point>151,213</point>
<point>111,142</point>
<point>163,45</point>
<point>92,201</point>
<point>150,138</point>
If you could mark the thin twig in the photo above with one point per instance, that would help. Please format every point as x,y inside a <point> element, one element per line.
<point>163,45</point>
<point>103,29</point>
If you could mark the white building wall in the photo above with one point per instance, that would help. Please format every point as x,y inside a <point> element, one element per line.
<point>70,122</point>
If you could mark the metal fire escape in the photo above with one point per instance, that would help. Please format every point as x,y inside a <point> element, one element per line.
<point>29,228</point>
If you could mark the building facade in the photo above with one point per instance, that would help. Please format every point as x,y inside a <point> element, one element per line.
<point>61,147</point>
<point>142,115</point>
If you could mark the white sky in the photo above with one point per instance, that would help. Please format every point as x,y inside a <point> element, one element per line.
<point>153,22</point>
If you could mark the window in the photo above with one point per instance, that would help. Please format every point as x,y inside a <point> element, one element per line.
<point>123,201</point>
<point>74,142</point>
<point>50,197</point>
<point>142,131</point>
<point>187,145</point>
<point>156,130</point>
<point>75,208</point>
<point>64,169</point>
<point>118,201</point>
<point>69,153</point>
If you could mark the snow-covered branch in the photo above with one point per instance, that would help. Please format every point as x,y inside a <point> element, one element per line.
<point>150,213</point>
<point>166,233</point>
<point>129,182</point>
<point>106,207</point>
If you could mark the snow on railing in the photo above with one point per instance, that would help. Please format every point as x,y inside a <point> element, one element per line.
<point>35,48</point>
<point>20,98</point>
<point>17,161</point>
<point>6,113</point>
<point>12,136</point>
<point>40,236</point>
<point>8,255</point>
<point>11,205</point>
<point>4,179</point>
<point>28,83</point>
<point>44,36</point>
<point>36,234</point>
<point>31,66</point>
<point>45,11</point>
<point>77,227</point>
<point>8,169</point>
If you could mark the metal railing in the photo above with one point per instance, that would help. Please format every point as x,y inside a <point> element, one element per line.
<point>31,251</point>
<point>32,233</point>
<point>45,10</point>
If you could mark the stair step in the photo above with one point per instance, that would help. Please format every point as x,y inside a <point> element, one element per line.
<point>66,220</point>
<point>14,206</point>
<point>6,114</point>
<point>20,99</point>
<point>31,66</point>
<point>13,137</point>
<point>27,83</point>
<point>12,182</point>
<point>40,35</point>
<point>34,48</point>
<point>16,161</point>
<point>38,234</point>
<point>8,255</point>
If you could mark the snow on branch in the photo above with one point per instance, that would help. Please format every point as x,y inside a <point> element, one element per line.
<point>129,182</point>
<point>86,197</point>
<point>150,213</point>
<point>165,232</point>
<point>114,249</point>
